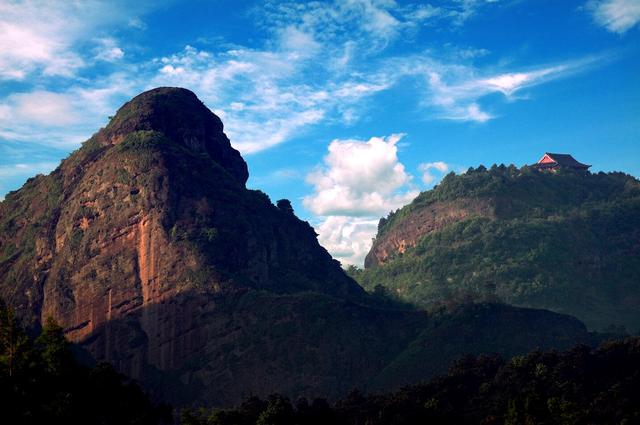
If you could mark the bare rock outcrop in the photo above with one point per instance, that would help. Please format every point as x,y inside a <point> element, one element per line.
<point>427,219</point>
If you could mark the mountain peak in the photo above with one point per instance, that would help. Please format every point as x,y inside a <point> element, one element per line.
<point>183,118</point>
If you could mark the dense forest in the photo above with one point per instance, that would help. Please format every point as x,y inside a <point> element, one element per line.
<point>579,386</point>
<point>566,241</point>
<point>42,382</point>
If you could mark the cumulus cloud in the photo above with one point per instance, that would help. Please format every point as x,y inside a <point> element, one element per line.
<point>617,16</point>
<point>359,178</point>
<point>359,182</point>
<point>427,169</point>
<point>322,62</point>
<point>348,239</point>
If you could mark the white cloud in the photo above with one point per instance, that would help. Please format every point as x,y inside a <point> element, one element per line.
<point>462,10</point>
<point>509,83</point>
<point>62,119</point>
<point>44,37</point>
<point>137,23</point>
<point>108,50</point>
<point>427,169</point>
<point>456,90</point>
<point>253,136</point>
<point>33,38</point>
<point>322,63</point>
<point>12,174</point>
<point>26,169</point>
<point>43,108</point>
<point>359,178</point>
<point>617,16</point>
<point>348,239</point>
<point>359,182</point>
<point>267,95</point>
<point>295,40</point>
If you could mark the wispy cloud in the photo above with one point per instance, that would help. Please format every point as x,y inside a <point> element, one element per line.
<point>34,38</point>
<point>43,38</point>
<point>617,16</point>
<point>26,169</point>
<point>108,50</point>
<point>455,90</point>
<point>320,63</point>
<point>9,174</point>
<point>61,119</point>
<point>266,95</point>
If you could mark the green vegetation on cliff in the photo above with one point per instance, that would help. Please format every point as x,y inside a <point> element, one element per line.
<point>566,241</point>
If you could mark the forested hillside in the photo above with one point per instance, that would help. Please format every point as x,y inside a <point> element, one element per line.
<point>566,241</point>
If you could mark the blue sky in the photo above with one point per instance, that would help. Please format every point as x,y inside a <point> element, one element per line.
<point>348,108</point>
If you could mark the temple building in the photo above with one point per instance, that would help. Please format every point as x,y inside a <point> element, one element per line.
<point>556,161</point>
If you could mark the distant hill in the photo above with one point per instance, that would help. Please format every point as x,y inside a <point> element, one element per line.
<point>150,252</point>
<point>565,241</point>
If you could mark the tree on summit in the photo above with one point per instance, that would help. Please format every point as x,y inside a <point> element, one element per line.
<point>285,206</point>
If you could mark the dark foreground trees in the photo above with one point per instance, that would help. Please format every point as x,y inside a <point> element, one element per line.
<point>580,386</point>
<point>41,383</point>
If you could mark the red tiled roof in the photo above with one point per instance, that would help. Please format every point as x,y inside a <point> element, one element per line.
<point>566,160</point>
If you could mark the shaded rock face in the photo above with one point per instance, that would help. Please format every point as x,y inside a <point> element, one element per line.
<point>148,249</point>
<point>179,115</point>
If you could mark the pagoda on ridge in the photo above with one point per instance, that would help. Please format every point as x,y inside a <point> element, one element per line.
<point>556,161</point>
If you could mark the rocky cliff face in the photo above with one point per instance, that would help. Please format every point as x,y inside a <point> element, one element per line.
<point>148,249</point>
<point>424,221</point>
